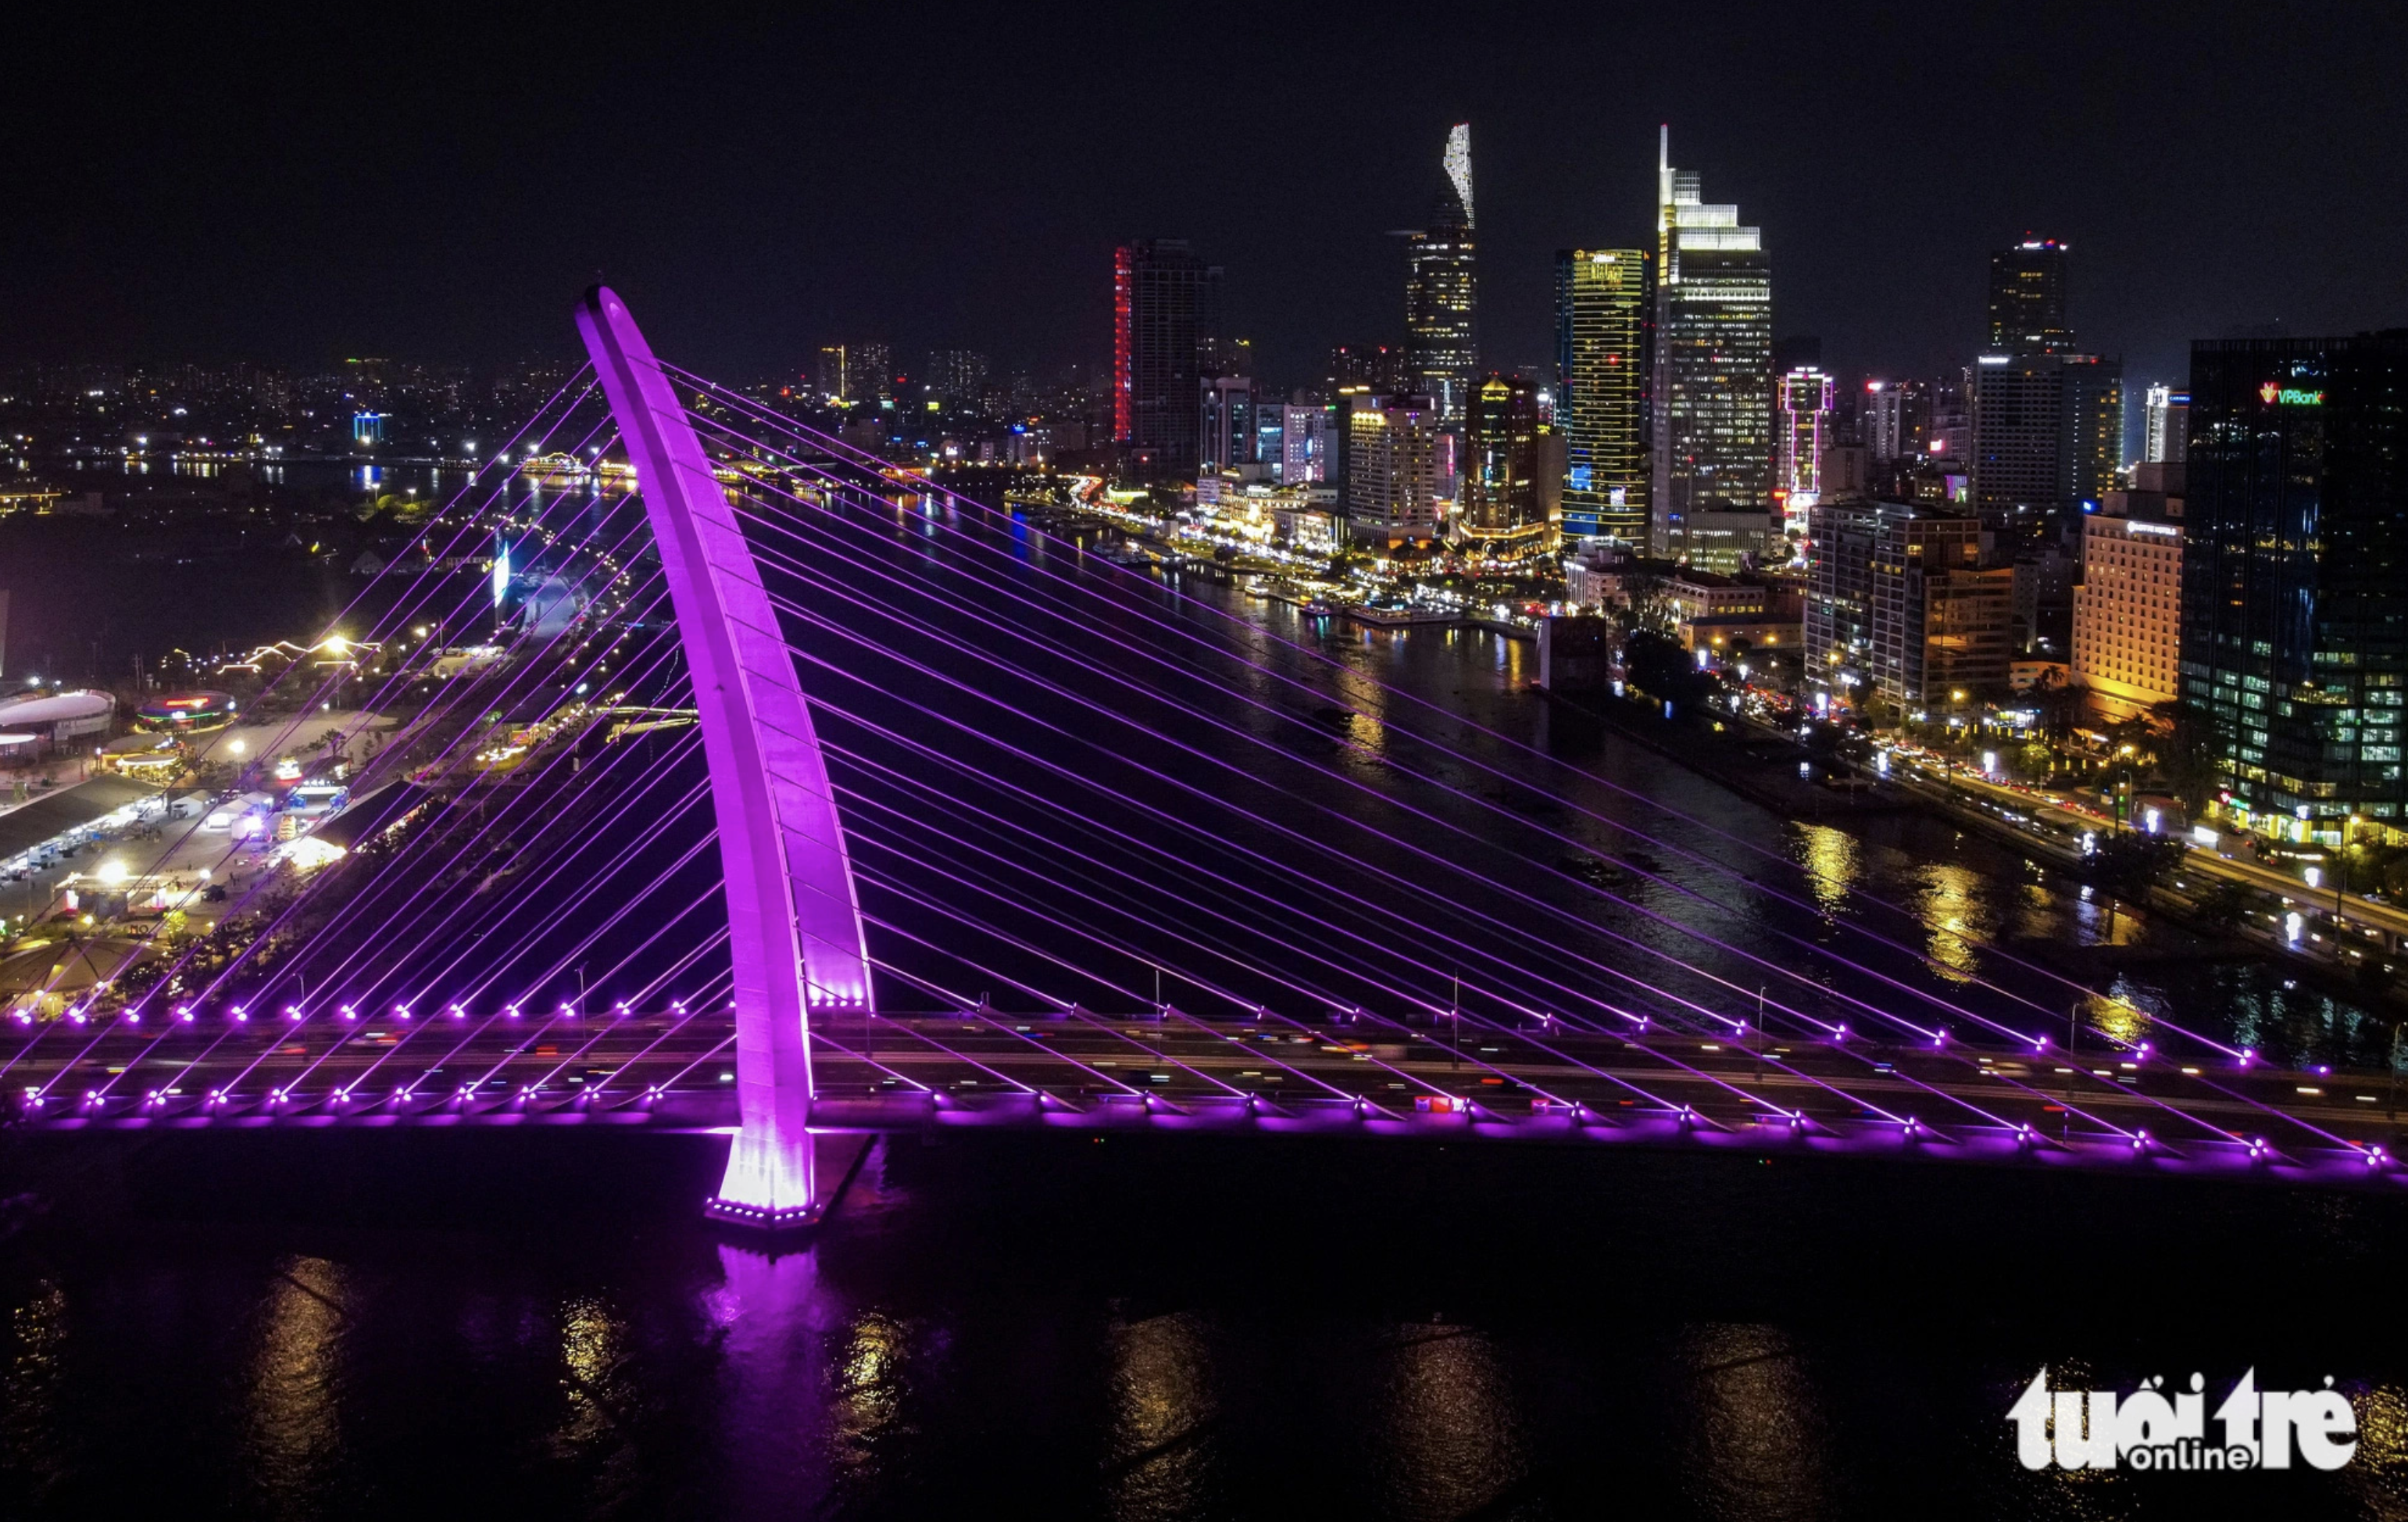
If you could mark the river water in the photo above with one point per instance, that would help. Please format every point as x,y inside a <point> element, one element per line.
<point>387,1325</point>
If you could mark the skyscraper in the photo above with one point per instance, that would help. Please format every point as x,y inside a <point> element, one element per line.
<point>855,374</point>
<point>2128,610</point>
<point>2295,576</point>
<point>2028,308</point>
<point>1712,482</point>
<point>1501,512</point>
<point>1950,438</point>
<point>2168,426</point>
<point>1160,290</point>
<point>1225,423</point>
<point>1894,418</point>
<point>1605,322</point>
<point>957,375</point>
<point>869,373</point>
<point>2048,436</point>
<point>1441,336</point>
<point>1391,469</point>
<point>1805,433</point>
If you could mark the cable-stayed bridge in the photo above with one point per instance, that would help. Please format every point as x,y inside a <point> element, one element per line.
<point>796,795</point>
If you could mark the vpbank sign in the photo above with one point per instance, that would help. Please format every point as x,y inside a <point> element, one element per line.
<point>2149,1429</point>
<point>2280,395</point>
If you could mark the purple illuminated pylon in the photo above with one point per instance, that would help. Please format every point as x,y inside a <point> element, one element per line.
<point>792,920</point>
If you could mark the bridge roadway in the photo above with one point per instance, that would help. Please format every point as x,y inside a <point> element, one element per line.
<point>1085,1070</point>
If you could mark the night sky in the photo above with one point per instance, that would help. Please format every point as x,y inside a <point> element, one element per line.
<point>355,181</point>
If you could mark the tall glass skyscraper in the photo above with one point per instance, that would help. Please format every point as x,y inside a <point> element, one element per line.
<point>1711,483</point>
<point>1605,324</point>
<point>2295,576</point>
<point>1502,511</point>
<point>1441,336</point>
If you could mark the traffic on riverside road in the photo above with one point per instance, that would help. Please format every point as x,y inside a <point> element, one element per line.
<point>2303,914</point>
<point>676,1068</point>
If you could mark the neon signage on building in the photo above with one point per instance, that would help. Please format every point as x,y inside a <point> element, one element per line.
<point>2275,394</point>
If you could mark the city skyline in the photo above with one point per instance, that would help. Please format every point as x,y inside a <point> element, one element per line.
<point>841,236</point>
<point>742,758</point>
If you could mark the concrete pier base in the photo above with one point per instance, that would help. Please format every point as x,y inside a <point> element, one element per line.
<point>835,1157</point>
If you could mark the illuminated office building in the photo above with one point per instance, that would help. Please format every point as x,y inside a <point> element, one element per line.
<point>2295,575</point>
<point>2048,436</point>
<point>1225,423</point>
<point>1502,511</point>
<point>1711,480</point>
<point>2168,426</point>
<point>1375,366</point>
<point>1805,434</point>
<point>1899,604</point>
<point>856,374</point>
<point>1442,334</point>
<point>1605,319</point>
<point>869,375</point>
<point>2028,308</point>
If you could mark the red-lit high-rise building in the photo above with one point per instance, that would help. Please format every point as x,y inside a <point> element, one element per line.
<point>1162,294</point>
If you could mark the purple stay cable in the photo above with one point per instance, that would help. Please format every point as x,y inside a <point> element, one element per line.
<point>1679,928</point>
<point>1254,632</point>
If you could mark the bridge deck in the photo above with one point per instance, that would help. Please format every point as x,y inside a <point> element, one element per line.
<point>1087,1071</point>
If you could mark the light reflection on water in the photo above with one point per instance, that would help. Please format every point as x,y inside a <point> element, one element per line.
<point>1958,909</point>
<point>976,1364</point>
<point>1450,1435</point>
<point>592,1339</point>
<point>31,1387</point>
<point>1831,860</point>
<point>773,1374</point>
<point>1163,1403</point>
<point>1754,1440</point>
<point>1976,903</point>
<point>295,1432</point>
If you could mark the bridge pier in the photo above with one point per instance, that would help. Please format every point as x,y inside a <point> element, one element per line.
<point>836,1156</point>
<point>794,922</point>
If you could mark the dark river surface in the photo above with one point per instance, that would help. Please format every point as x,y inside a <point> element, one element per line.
<point>372,1324</point>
